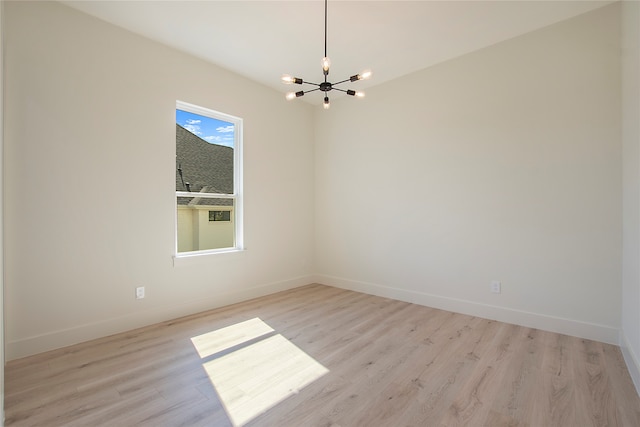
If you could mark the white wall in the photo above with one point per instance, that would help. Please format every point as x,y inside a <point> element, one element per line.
<point>503,164</point>
<point>90,152</point>
<point>630,341</point>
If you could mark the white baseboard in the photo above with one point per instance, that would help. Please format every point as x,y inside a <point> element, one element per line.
<point>66,337</point>
<point>631,359</point>
<point>571,327</point>
<point>62,338</point>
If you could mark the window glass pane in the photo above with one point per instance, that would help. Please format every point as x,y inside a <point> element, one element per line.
<point>204,154</point>
<point>197,231</point>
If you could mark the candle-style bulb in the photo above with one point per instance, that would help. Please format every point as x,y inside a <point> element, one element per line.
<point>326,63</point>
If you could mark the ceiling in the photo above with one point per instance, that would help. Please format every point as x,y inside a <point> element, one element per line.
<point>262,40</point>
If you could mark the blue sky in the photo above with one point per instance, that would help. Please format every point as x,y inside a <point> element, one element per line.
<point>211,130</point>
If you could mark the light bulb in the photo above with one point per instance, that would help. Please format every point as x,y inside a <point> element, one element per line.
<point>365,74</point>
<point>354,93</point>
<point>362,76</point>
<point>292,95</point>
<point>287,79</point>
<point>326,104</point>
<point>326,63</point>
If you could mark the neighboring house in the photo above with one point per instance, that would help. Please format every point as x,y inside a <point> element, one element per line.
<point>208,168</point>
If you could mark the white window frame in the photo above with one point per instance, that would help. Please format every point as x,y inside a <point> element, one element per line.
<point>237,195</point>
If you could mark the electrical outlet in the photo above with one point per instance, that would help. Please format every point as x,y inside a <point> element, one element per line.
<point>496,287</point>
<point>140,292</point>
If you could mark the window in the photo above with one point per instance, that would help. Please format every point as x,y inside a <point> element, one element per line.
<point>208,181</point>
<point>220,215</point>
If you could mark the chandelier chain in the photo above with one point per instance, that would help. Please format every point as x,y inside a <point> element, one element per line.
<point>325,28</point>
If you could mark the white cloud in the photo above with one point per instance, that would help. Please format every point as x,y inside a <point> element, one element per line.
<point>212,138</point>
<point>193,129</point>
<point>225,129</point>
<point>192,122</point>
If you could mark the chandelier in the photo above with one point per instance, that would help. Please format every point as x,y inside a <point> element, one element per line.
<point>325,86</point>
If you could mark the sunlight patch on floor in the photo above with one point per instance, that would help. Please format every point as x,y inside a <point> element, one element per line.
<point>255,377</point>
<point>225,338</point>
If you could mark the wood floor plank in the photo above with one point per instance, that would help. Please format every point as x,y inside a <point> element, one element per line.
<point>473,403</point>
<point>599,402</point>
<point>400,386</point>
<point>555,392</point>
<point>323,356</point>
<point>446,374</point>
<point>355,359</point>
<point>621,385</point>
<point>520,380</point>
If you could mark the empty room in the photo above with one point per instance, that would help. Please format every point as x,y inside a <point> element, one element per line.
<point>205,221</point>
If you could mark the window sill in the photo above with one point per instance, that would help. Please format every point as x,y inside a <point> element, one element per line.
<point>198,257</point>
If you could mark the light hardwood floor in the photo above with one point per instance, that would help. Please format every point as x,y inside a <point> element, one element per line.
<point>321,356</point>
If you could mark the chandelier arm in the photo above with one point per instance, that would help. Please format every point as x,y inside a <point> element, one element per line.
<point>312,90</point>
<point>338,89</point>
<point>340,82</point>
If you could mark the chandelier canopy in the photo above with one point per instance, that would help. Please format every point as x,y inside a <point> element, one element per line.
<point>325,86</point>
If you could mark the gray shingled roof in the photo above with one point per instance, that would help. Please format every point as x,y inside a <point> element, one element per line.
<point>206,167</point>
